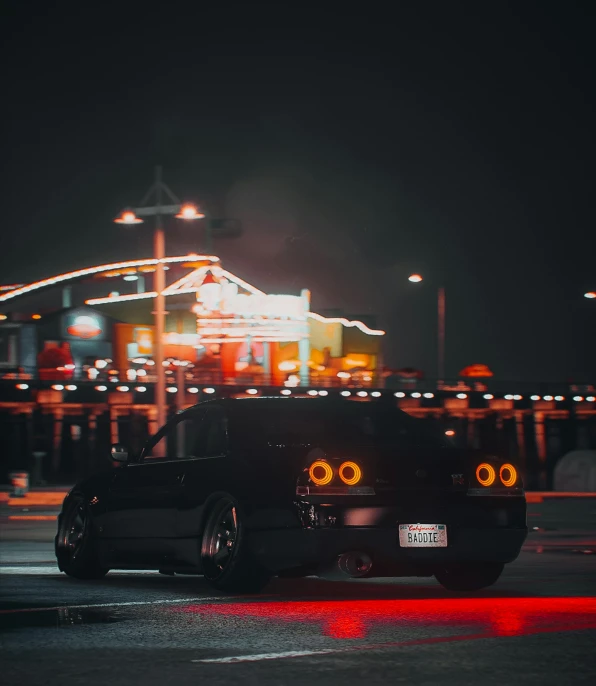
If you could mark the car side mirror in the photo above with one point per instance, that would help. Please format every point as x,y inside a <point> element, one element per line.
<point>119,453</point>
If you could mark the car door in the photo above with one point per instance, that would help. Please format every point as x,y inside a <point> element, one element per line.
<point>145,494</point>
<point>207,470</point>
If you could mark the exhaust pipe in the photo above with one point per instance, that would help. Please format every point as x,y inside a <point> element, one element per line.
<point>351,565</point>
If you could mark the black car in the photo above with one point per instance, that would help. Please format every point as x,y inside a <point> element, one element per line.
<point>241,490</point>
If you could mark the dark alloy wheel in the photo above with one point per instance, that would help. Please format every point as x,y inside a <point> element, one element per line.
<point>75,548</point>
<point>469,576</point>
<point>225,559</point>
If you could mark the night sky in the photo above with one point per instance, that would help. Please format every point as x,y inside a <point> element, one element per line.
<point>452,139</point>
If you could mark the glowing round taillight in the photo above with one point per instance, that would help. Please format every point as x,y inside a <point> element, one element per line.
<point>320,473</point>
<point>508,475</point>
<point>485,474</point>
<point>350,473</point>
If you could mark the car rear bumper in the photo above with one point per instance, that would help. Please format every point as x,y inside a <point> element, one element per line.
<point>285,549</point>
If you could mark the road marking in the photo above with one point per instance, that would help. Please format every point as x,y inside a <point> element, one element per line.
<point>268,656</point>
<point>37,518</point>
<point>52,570</point>
<point>132,603</point>
<point>350,649</point>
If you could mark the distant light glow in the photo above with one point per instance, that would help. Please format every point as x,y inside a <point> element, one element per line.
<point>141,372</point>
<point>22,386</point>
<point>578,398</point>
<point>559,398</point>
<point>172,389</point>
<point>122,389</point>
<point>116,298</point>
<point>128,217</point>
<point>141,389</point>
<point>362,394</point>
<point>252,391</point>
<point>517,397</point>
<point>591,399</point>
<point>376,394</point>
<point>3,317</point>
<point>209,390</point>
<point>189,211</point>
<point>313,392</point>
<point>509,397</point>
<point>58,387</point>
<point>193,390</point>
<point>323,393</point>
<point>548,398</point>
<point>415,278</point>
<point>101,388</point>
<point>488,396</point>
<point>89,271</point>
<point>590,294</point>
<point>287,366</point>
<point>416,395</point>
<point>131,277</point>
<point>344,375</point>
<point>345,393</point>
<point>400,394</point>
<point>35,316</point>
<point>347,323</point>
<point>71,387</point>
<point>286,391</point>
<point>139,360</point>
<point>461,396</point>
<point>69,366</point>
<point>450,432</point>
<point>429,395</point>
<point>101,364</point>
<point>534,397</point>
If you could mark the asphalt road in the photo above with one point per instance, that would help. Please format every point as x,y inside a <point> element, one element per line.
<point>537,625</point>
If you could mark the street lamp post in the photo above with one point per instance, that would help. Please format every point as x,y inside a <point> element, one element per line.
<point>416,278</point>
<point>187,212</point>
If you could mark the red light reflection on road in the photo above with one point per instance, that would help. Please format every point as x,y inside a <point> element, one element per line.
<point>351,619</point>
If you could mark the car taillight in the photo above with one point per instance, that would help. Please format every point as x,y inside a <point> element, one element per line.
<point>350,473</point>
<point>320,473</point>
<point>508,475</point>
<point>485,474</point>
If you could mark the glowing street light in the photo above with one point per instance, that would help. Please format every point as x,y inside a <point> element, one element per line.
<point>132,216</point>
<point>590,294</point>
<point>189,212</point>
<point>416,278</point>
<point>128,217</point>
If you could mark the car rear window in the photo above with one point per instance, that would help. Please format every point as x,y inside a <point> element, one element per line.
<point>307,423</point>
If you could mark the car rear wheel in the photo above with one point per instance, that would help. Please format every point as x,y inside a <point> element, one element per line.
<point>76,551</point>
<point>470,576</point>
<point>226,561</point>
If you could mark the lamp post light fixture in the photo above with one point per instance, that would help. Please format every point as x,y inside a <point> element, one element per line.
<point>417,278</point>
<point>132,216</point>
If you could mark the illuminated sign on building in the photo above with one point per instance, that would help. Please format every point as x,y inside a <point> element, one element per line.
<point>84,324</point>
<point>279,306</point>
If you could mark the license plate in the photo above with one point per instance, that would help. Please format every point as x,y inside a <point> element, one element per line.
<point>423,535</point>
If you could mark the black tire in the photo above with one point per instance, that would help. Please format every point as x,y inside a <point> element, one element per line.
<point>76,551</point>
<point>469,576</point>
<point>226,561</point>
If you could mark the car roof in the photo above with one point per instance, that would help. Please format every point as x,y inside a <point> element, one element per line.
<point>270,401</point>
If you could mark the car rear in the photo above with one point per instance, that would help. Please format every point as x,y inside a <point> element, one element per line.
<point>376,492</point>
